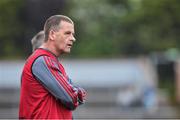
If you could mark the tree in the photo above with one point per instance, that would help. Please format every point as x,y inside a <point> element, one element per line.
<point>10,27</point>
<point>97,25</point>
<point>125,27</point>
<point>154,25</point>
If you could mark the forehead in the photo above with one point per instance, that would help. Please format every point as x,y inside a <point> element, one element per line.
<point>64,25</point>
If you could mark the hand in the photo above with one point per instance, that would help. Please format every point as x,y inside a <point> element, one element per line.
<point>81,95</point>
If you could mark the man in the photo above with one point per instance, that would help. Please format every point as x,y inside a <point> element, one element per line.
<point>37,40</point>
<point>46,90</point>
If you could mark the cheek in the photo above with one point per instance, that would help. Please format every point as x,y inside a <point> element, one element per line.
<point>61,42</point>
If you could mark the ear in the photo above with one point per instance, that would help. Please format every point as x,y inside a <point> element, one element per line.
<point>52,35</point>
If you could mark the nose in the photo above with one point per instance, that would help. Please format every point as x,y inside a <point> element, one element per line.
<point>73,38</point>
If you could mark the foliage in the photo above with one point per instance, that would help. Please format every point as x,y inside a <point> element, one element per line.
<point>125,27</point>
<point>97,25</point>
<point>10,27</point>
<point>104,28</point>
<point>155,25</point>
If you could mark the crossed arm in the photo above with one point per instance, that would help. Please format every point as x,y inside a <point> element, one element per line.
<point>48,73</point>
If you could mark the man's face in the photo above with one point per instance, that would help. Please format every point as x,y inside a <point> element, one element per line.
<point>64,38</point>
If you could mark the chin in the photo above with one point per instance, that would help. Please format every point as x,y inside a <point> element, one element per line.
<point>67,51</point>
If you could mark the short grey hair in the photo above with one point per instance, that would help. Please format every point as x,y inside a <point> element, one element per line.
<point>53,23</point>
<point>37,40</point>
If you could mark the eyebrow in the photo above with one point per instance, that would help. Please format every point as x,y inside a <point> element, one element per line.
<point>70,32</point>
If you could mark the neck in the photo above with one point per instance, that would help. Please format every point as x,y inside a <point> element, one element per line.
<point>47,45</point>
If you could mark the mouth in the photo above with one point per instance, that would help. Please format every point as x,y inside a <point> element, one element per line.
<point>69,45</point>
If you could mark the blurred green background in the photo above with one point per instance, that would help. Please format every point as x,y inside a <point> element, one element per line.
<point>104,28</point>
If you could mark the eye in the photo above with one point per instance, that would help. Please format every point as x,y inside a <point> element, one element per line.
<point>68,32</point>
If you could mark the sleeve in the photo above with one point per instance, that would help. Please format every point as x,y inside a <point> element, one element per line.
<point>81,93</point>
<point>47,72</point>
